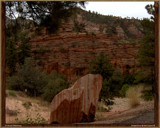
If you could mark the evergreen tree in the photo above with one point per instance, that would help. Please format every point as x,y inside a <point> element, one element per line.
<point>146,52</point>
<point>11,56</point>
<point>23,49</point>
<point>100,65</point>
<point>44,13</point>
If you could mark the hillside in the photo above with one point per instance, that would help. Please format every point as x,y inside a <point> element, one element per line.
<point>82,38</point>
<point>71,50</point>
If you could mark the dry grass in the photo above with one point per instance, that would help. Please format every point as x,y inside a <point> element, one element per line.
<point>134,94</point>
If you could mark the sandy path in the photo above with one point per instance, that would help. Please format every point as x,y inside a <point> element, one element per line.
<point>120,114</point>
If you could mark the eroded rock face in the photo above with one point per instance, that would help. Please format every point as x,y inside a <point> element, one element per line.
<point>71,55</point>
<point>77,103</point>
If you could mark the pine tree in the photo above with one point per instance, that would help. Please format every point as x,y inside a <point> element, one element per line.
<point>146,52</point>
<point>44,13</point>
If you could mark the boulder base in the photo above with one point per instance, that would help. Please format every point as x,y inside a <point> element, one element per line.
<point>77,103</point>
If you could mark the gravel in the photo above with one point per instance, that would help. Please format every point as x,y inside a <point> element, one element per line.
<point>145,118</point>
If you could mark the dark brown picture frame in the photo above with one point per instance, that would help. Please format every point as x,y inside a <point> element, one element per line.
<point>3,119</point>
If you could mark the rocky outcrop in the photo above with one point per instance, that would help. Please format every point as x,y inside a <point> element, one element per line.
<point>78,103</point>
<point>72,54</point>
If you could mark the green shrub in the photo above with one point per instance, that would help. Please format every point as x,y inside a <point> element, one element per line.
<point>147,95</point>
<point>129,78</point>
<point>27,105</point>
<point>56,83</point>
<point>124,88</point>
<point>111,31</point>
<point>105,91</point>
<point>37,120</point>
<point>101,65</point>
<point>111,87</point>
<point>11,93</point>
<point>14,83</point>
<point>143,77</point>
<point>79,27</point>
<point>34,82</point>
<point>112,81</point>
<point>30,78</point>
<point>115,83</point>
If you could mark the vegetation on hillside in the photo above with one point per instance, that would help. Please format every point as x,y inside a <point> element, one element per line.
<point>111,22</point>
<point>34,82</point>
<point>17,47</point>
<point>146,55</point>
<point>113,82</point>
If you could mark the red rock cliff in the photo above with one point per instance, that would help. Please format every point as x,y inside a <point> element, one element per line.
<point>71,54</point>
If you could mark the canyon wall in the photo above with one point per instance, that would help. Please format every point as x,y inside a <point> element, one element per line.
<point>71,54</point>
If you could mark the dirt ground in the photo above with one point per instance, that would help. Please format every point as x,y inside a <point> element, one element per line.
<point>120,112</point>
<point>16,109</point>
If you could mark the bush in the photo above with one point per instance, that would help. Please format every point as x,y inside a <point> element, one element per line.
<point>101,65</point>
<point>37,83</point>
<point>112,81</point>
<point>129,78</point>
<point>115,83</point>
<point>79,27</point>
<point>124,88</point>
<point>29,77</point>
<point>147,95</point>
<point>143,77</point>
<point>56,83</point>
<point>37,120</point>
<point>105,91</point>
<point>134,94</point>
<point>14,83</point>
<point>111,31</point>
<point>111,87</point>
<point>27,105</point>
<point>11,93</point>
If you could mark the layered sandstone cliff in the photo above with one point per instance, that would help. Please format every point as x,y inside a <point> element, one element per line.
<point>71,54</point>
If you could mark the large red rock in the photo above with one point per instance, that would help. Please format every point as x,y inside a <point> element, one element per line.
<point>77,103</point>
